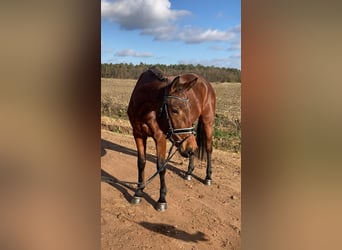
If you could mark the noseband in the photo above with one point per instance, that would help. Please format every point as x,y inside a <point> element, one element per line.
<point>175,131</point>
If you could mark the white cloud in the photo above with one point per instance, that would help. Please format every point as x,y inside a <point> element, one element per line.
<point>156,18</point>
<point>130,52</point>
<point>192,35</point>
<point>235,46</point>
<point>140,14</point>
<point>161,33</point>
<point>217,48</point>
<point>196,35</point>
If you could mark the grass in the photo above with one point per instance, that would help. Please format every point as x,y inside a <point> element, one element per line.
<point>115,95</point>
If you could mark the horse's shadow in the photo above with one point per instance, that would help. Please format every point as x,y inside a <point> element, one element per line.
<point>108,145</point>
<point>173,232</point>
<point>122,186</point>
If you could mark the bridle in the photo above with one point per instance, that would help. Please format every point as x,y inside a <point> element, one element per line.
<point>173,132</point>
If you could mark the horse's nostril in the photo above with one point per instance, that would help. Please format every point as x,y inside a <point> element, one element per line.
<point>186,153</point>
<point>189,152</point>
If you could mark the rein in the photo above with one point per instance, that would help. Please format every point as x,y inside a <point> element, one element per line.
<point>141,184</point>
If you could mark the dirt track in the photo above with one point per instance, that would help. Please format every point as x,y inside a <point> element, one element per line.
<point>198,216</point>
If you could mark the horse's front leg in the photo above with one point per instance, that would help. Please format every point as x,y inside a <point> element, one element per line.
<point>160,141</point>
<point>190,168</point>
<point>141,148</point>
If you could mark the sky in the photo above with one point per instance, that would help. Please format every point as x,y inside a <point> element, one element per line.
<point>171,32</point>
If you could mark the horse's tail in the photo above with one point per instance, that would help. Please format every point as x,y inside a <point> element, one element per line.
<point>201,140</point>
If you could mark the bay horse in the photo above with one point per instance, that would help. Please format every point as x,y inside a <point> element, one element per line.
<point>166,107</point>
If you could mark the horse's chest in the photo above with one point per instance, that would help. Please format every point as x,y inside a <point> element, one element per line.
<point>145,129</point>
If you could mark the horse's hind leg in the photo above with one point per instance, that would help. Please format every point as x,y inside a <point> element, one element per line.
<point>208,180</point>
<point>208,128</point>
<point>141,147</point>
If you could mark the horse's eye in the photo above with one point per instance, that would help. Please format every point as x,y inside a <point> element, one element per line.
<point>175,111</point>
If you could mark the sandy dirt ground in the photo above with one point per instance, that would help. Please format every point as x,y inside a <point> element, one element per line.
<point>197,217</point>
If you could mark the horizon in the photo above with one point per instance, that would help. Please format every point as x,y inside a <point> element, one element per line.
<point>168,65</point>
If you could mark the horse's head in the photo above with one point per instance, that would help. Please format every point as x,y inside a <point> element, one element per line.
<point>178,109</point>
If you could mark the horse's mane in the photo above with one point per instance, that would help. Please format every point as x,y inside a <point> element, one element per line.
<point>157,72</point>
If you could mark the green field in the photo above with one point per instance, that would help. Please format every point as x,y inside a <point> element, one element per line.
<point>115,95</point>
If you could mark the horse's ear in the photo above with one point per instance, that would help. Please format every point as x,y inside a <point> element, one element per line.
<point>188,85</point>
<point>176,86</point>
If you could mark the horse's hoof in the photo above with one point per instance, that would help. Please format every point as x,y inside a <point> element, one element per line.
<point>136,200</point>
<point>161,206</point>
<point>208,182</point>
<point>188,177</point>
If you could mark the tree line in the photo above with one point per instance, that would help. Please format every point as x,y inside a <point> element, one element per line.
<point>131,71</point>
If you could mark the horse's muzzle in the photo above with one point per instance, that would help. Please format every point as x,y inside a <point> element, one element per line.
<point>186,153</point>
